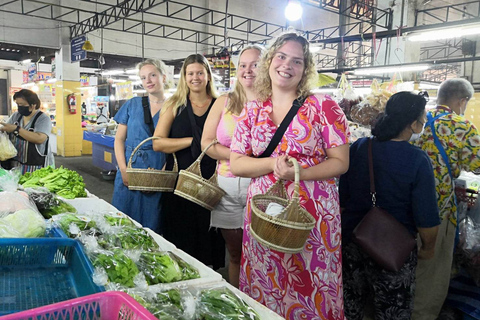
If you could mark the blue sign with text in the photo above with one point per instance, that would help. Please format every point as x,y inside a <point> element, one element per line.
<point>77,53</point>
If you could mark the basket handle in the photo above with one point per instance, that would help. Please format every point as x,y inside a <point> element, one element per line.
<point>129,165</point>
<point>296,192</point>
<point>196,164</point>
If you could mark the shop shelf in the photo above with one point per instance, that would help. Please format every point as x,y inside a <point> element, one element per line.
<point>110,305</point>
<point>42,271</point>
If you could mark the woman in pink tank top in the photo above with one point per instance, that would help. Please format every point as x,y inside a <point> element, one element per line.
<point>220,124</point>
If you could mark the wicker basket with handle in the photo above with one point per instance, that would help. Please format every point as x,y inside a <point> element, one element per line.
<point>289,230</point>
<point>151,179</point>
<point>192,186</point>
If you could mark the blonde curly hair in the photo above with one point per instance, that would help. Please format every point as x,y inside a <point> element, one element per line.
<point>263,83</point>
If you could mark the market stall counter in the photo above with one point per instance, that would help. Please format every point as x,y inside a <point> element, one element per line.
<point>103,155</point>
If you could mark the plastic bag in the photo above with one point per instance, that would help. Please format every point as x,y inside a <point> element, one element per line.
<point>223,304</point>
<point>346,96</point>
<point>47,203</point>
<point>7,149</point>
<point>128,237</point>
<point>117,265</point>
<point>16,210</point>
<point>468,248</point>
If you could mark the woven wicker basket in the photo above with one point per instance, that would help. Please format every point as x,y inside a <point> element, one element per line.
<point>151,179</point>
<point>192,186</point>
<point>289,230</point>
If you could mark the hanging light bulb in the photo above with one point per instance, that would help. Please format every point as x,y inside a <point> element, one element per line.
<point>87,46</point>
<point>293,10</point>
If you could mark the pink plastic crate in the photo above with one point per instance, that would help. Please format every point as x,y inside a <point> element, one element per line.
<point>111,305</point>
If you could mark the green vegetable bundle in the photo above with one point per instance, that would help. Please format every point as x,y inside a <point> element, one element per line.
<point>188,271</point>
<point>120,268</point>
<point>159,267</point>
<point>65,183</point>
<point>167,305</point>
<point>48,204</point>
<point>129,238</point>
<point>223,304</point>
<point>117,221</point>
<point>68,218</point>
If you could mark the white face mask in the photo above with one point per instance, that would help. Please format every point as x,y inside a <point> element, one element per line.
<point>416,136</point>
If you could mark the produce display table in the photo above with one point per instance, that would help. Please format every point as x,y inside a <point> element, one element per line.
<point>103,155</point>
<point>208,277</point>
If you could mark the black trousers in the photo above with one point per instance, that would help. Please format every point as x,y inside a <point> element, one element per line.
<point>392,292</point>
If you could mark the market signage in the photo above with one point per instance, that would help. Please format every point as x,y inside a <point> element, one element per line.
<point>32,72</point>
<point>77,53</point>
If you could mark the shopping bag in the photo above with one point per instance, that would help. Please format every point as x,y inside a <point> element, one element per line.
<point>7,149</point>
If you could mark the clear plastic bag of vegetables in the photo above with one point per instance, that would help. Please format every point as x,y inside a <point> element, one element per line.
<point>118,267</point>
<point>47,203</point>
<point>7,149</point>
<point>128,237</point>
<point>220,303</point>
<point>166,304</point>
<point>19,217</point>
<point>468,248</point>
<point>165,267</point>
<point>346,96</point>
<point>73,224</point>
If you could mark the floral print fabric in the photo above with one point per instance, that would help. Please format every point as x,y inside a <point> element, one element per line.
<point>307,285</point>
<point>461,141</point>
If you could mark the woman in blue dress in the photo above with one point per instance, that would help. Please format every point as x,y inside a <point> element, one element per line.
<point>137,119</point>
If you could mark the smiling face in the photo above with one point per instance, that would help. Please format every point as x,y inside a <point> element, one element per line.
<point>152,79</point>
<point>247,67</point>
<point>196,77</point>
<point>287,66</point>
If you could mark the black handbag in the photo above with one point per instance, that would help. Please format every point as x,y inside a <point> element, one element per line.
<point>380,235</point>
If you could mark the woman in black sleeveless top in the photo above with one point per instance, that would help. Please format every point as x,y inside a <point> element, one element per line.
<point>187,224</point>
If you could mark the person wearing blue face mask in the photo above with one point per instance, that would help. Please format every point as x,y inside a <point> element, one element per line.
<point>29,129</point>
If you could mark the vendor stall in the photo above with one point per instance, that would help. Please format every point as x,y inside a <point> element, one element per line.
<point>103,154</point>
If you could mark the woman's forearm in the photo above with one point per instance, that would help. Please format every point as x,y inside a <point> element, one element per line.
<point>328,169</point>
<point>170,145</point>
<point>248,167</point>
<point>217,151</point>
<point>119,148</point>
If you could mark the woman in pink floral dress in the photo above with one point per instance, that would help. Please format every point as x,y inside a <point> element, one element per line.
<point>306,285</point>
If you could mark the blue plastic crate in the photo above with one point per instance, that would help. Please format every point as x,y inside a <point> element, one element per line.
<point>41,271</point>
<point>55,233</point>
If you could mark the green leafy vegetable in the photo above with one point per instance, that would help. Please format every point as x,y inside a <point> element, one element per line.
<point>117,221</point>
<point>65,183</point>
<point>69,218</point>
<point>223,304</point>
<point>159,267</point>
<point>129,238</point>
<point>120,268</point>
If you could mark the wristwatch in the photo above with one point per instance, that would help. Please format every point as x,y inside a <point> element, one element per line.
<point>16,132</point>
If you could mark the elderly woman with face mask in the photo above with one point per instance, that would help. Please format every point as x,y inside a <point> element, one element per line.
<point>29,129</point>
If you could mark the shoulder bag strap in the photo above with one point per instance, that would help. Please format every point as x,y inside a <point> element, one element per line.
<point>191,117</point>
<point>370,171</point>
<point>297,103</point>
<point>147,115</point>
<point>39,113</point>
<point>441,149</point>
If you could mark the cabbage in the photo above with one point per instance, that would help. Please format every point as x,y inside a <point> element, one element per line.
<point>25,223</point>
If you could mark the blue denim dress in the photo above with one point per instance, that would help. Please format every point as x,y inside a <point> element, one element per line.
<point>143,207</point>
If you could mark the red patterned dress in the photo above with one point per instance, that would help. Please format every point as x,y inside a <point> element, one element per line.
<point>306,285</point>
